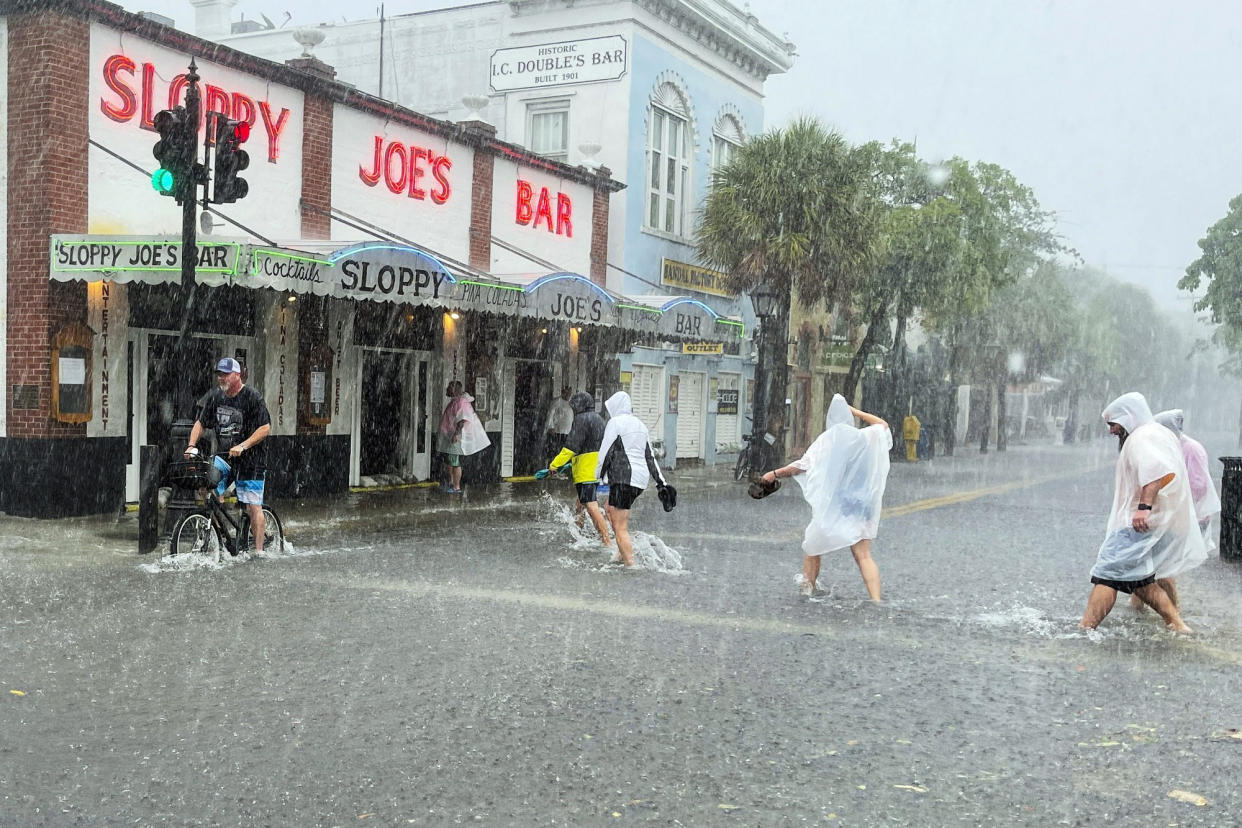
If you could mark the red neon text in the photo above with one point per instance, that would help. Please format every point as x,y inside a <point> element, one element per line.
<point>541,210</point>
<point>118,76</point>
<point>402,165</point>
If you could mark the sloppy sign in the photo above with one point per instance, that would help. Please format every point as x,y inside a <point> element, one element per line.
<point>557,64</point>
<point>384,272</point>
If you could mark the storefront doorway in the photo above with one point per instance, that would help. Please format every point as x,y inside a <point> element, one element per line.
<point>690,416</point>
<point>155,401</point>
<point>393,435</point>
<point>533,385</point>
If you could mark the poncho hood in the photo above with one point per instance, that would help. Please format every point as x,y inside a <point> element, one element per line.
<point>580,402</point>
<point>618,404</point>
<point>838,413</point>
<point>1129,411</point>
<point>1172,419</point>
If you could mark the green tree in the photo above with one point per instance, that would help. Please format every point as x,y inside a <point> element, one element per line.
<point>784,211</point>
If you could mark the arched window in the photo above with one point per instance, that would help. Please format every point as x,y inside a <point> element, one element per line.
<point>727,135</point>
<point>669,152</point>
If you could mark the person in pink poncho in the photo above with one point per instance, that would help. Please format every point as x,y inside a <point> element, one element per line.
<point>1198,473</point>
<point>461,433</point>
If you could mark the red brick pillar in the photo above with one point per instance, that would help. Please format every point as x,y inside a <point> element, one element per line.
<point>481,201</point>
<point>316,224</point>
<point>599,230</point>
<point>47,135</point>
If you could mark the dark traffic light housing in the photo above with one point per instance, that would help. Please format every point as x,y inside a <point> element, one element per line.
<point>230,160</point>
<point>176,153</point>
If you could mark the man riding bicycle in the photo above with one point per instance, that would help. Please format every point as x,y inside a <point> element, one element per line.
<point>239,416</point>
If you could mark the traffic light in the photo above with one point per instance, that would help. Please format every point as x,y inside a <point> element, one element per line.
<point>230,160</point>
<point>176,152</point>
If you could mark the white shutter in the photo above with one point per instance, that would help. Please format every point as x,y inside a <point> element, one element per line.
<point>508,393</point>
<point>727,430</point>
<point>690,415</point>
<point>647,395</point>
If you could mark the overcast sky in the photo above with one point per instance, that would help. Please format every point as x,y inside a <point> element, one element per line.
<point>1122,115</point>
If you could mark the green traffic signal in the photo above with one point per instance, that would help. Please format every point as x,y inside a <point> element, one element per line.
<point>162,180</point>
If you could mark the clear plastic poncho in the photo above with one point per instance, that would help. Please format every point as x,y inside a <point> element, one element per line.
<point>846,469</point>
<point>1198,472</point>
<point>1173,543</point>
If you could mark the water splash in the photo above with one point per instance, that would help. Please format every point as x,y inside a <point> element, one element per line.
<point>650,552</point>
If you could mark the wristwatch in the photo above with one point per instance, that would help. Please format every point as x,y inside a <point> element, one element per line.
<point>1144,507</point>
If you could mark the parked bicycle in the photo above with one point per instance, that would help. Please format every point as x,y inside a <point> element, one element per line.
<point>755,456</point>
<point>210,529</point>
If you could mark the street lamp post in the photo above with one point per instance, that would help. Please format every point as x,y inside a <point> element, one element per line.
<point>766,300</point>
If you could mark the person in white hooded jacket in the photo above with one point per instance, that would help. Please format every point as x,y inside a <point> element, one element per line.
<point>626,459</point>
<point>1152,531</point>
<point>843,475</point>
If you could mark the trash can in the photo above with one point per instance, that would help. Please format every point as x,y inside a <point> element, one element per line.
<point>1231,508</point>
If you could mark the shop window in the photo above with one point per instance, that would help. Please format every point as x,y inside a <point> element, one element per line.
<point>668,161</point>
<point>547,128</point>
<point>71,374</point>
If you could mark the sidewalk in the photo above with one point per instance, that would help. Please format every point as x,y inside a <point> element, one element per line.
<point>359,513</point>
<point>356,513</point>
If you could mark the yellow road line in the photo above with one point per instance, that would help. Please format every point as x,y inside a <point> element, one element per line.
<point>974,494</point>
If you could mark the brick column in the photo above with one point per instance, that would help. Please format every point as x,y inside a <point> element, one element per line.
<point>47,135</point>
<point>599,231</point>
<point>481,201</point>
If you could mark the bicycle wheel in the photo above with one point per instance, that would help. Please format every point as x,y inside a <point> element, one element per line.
<point>273,533</point>
<point>195,535</point>
<point>742,470</point>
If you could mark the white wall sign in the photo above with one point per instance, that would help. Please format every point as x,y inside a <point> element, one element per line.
<point>131,80</point>
<point>413,183</point>
<point>539,213</point>
<point>557,64</point>
<point>153,260</point>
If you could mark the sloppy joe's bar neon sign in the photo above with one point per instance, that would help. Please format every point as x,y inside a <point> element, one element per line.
<point>119,76</point>
<point>402,165</point>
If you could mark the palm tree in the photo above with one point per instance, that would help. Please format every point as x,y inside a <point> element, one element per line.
<point>786,212</point>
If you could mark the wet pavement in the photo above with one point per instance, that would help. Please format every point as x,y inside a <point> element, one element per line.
<point>414,658</point>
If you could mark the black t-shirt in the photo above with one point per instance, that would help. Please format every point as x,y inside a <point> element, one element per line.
<point>234,420</point>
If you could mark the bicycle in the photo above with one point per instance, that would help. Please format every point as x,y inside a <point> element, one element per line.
<point>209,529</point>
<point>753,455</point>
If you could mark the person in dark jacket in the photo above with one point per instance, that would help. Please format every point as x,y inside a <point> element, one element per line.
<point>582,448</point>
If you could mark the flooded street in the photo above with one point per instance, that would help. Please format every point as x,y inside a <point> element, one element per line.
<point>480,661</point>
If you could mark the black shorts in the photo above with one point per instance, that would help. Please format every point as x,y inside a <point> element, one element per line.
<point>587,492</point>
<point>622,496</point>
<point>1124,586</point>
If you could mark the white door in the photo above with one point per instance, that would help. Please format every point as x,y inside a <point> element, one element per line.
<point>690,415</point>
<point>727,421</point>
<point>647,396</point>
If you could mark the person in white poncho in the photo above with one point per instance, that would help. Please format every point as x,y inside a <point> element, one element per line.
<point>843,475</point>
<point>1152,531</point>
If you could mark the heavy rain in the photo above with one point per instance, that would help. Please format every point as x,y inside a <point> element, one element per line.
<point>584,412</point>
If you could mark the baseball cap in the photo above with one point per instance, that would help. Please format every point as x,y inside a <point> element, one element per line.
<point>228,365</point>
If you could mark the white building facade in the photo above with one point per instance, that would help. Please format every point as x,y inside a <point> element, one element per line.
<point>657,91</point>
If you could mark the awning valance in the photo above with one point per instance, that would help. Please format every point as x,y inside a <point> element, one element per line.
<point>382,271</point>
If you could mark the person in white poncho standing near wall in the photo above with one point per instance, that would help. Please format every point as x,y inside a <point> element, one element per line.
<point>1152,530</point>
<point>843,475</point>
